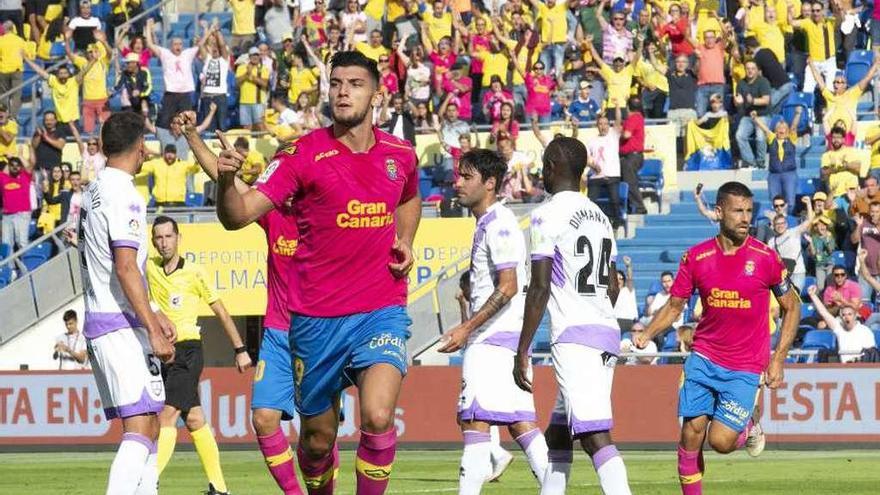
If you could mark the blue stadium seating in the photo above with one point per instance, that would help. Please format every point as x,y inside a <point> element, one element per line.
<point>877,337</point>
<point>5,250</point>
<point>32,230</point>
<point>651,179</point>
<point>456,360</point>
<point>195,199</point>
<point>807,186</point>
<point>426,180</point>
<point>37,255</point>
<point>808,310</point>
<point>670,342</point>
<point>838,258</point>
<point>817,340</point>
<point>804,100</point>
<point>808,281</point>
<point>858,65</point>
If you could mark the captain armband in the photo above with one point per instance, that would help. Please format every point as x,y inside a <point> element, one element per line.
<point>782,287</point>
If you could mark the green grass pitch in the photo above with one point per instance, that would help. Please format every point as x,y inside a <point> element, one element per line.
<point>426,472</point>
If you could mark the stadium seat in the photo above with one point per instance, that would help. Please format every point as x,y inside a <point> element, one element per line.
<point>808,310</point>
<point>877,337</point>
<point>195,199</point>
<point>656,287</point>
<point>808,281</point>
<point>857,66</point>
<point>5,250</point>
<point>670,342</point>
<point>817,340</point>
<point>651,179</point>
<point>37,255</point>
<point>807,187</point>
<point>33,233</point>
<point>804,100</point>
<point>5,275</point>
<point>838,258</point>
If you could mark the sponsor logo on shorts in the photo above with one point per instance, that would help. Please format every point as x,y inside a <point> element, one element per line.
<point>261,368</point>
<point>387,339</point>
<point>735,411</point>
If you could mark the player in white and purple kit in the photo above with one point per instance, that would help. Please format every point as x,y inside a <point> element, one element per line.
<point>573,253</point>
<point>125,339</point>
<point>489,337</point>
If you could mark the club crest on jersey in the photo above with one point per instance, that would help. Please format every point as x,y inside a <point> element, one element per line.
<point>134,226</point>
<point>391,169</point>
<point>750,268</point>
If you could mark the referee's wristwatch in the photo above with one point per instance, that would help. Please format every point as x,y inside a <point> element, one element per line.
<point>240,350</point>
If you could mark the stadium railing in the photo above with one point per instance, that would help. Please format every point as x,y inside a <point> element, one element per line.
<point>39,292</point>
<point>432,307</point>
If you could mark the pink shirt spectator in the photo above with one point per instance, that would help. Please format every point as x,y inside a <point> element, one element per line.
<point>345,206</point>
<point>177,70</point>
<point>494,100</point>
<point>871,243</point>
<point>282,239</point>
<point>16,192</point>
<point>677,33</point>
<point>711,65</point>
<point>442,65</point>
<point>735,290</point>
<point>511,129</point>
<point>391,82</point>
<point>480,43</point>
<point>615,43</point>
<point>539,88</point>
<point>145,56</point>
<point>849,291</point>
<point>462,97</point>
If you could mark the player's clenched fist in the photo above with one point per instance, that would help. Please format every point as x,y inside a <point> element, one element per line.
<point>521,372</point>
<point>641,340</point>
<point>162,348</point>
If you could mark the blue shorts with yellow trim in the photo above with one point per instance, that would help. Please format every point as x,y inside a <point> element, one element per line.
<point>273,380</point>
<point>710,390</point>
<point>328,352</point>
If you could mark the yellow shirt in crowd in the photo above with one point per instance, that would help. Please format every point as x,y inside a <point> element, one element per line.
<point>816,37</point>
<point>11,46</point>
<point>169,181</point>
<point>179,293</point>
<point>618,84</point>
<point>438,27</point>
<point>249,92</point>
<point>840,180</point>
<point>303,80</point>
<point>95,80</point>
<point>842,107</point>
<point>9,149</point>
<point>523,59</point>
<point>66,98</point>
<point>771,36</point>
<point>370,51</point>
<point>254,164</point>
<point>554,22</point>
<point>494,64</point>
<point>243,15</point>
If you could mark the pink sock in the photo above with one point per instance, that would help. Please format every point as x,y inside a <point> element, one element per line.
<point>319,475</point>
<point>743,435</point>
<point>690,473</point>
<point>279,458</point>
<point>375,457</point>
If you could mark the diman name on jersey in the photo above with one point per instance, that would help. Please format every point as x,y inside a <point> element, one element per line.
<point>358,215</point>
<point>582,216</point>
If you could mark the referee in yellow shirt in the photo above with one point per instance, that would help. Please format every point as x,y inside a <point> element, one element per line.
<point>178,288</point>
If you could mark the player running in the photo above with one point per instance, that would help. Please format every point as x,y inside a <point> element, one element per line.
<point>355,195</point>
<point>735,275</point>
<point>573,257</point>
<point>178,288</point>
<point>125,339</point>
<point>272,397</point>
<point>497,274</point>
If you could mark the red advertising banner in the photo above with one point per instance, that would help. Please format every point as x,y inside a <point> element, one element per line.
<point>828,403</point>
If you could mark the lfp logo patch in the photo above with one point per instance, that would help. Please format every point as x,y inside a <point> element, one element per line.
<point>391,169</point>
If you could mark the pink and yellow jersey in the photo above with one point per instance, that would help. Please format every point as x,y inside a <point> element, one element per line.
<point>282,238</point>
<point>345,206</point>
<point>735,291</point>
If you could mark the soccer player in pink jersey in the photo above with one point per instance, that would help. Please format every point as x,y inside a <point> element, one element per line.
<point>735,275</point>
<point>355,196</point>
<point>272,398</point>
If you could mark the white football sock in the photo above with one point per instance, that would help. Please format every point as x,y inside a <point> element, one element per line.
<point>149,477</point>
<point>535,447</point>
<point>496,450</point>
<point>612,473</point>
<point>558,470</point>
<point>128,465</point>
<point>475,463</point>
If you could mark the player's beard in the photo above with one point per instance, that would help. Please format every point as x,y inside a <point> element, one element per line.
<point>352,121</point>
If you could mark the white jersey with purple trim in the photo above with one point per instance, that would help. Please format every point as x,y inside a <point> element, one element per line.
<point>113,215</point>
<point>573,232</point>
<point>498,245</point>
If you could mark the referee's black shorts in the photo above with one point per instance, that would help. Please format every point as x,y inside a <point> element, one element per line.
<point>182,375</point>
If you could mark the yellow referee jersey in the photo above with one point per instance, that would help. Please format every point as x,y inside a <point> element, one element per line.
<point>179,293</point>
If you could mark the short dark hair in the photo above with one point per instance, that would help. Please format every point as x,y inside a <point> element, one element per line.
<point>667,272</point>
<point>75,172</point>
<point>121,131</point>
<point>838,267</point>
<point>751,42</point>
<point>242,142</point>
<point>566,151</point>
<point>733,188</point>
<point>356,59</point>
<point>488,163</point>
<point>840,131</point>
<point>163,219</point>
<point>47,112</point>
<point>170,148</point>
<point>622,275</point>
<point>634,104</point>
<point>778,197</point>
<point>69,315</point>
